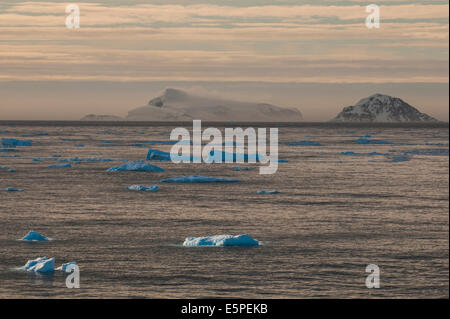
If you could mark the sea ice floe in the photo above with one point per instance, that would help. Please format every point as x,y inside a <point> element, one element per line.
<point>136,166</point>
<point>12,170</point>
<point>264,192</point>
<point>363,154</point>
<point>199,179</point>
<point>233,157</point>
<point>369,141</point>
<point>34,236</point>
<point>12,142</point>
<point>60,165</point>
<point>399,158</point>
<point>40,265</point>
<point>221,241</point>
<point>8,150</point>
<point>157,155</point>
<point>152,188</point>
<point>11,189</point>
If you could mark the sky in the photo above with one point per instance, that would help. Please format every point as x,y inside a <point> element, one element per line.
<point>317,56</point>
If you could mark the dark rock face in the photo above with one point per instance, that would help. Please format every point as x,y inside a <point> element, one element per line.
<point>382,108</point>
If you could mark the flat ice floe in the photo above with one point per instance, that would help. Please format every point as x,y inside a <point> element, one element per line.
<point>304,143</point>
<point>266,192</point>
<point>34,236</point>
<point>199,179</point>
<point>60,165</point>
<point>369,141</point>
<point>12,142</point>
<point>42,265</point>
<point>153,188</point>
<point>221,241</point>
<point>11,189</point>
<point>136,166</point>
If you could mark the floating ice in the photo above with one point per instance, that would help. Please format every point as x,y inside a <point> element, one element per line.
<point>304,143</point>
<point>12,142</point>
<point>234,156</point>
<point>362,140</point>
<point>221,241</point>
<point>79,145</point>
<point>153,188</point>
<point>157,155</point>
<point>264,192</point>
<point>8,150</point>
<point>363,154</point>
<point>40,265</point>
<point>90,160</point>
<point>60,165</point>
<point>428,152</point>
<point>199,179</point>
<point>11,189</point>
<point>12,170</point>
<point>34,236</point>
<point>67,266</point>
<point>399,158</point>
<point>34,134</point>
<point>136,166</point>
<point>243,168</point>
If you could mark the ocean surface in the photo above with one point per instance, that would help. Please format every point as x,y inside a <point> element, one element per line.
<point>335,214</point>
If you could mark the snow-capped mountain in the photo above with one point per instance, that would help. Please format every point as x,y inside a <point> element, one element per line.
<point>382,108</point>
<point>178,105</point>
<point>95,117</point>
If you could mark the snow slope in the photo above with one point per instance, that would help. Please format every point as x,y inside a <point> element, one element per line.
<point>382,108</point>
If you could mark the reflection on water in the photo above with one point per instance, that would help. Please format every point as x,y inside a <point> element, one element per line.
<point>335,214</point>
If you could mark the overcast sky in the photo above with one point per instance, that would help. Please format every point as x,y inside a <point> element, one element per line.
<point>315,55</point>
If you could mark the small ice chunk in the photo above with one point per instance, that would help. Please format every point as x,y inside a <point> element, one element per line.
<point>136,166</point>
<point>369,141</point>
<point>40,265</point>
<point>34,236</point>
<point>304,143</point>
<point>60,165</point>
<point>67,266</point>
<point>264,192</point>
<point>221,241</point>
<point>153,188</point>
<point>11,189</point>
<point>199,179</point>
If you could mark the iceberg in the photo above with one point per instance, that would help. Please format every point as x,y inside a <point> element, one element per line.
<point>362,140</point>
<point>136,166</point>
<point>60,165</point>
<point>199,179</point>
<point>67,266</point>
<point>157,155</point>
<point>11,189</point>
<point>12,170</point>
<point>264,192</point>
<point>40,265</point>
<point>34,236</point>
<point>221,241</point>
<point>153,188</point>
<point>12,142</point>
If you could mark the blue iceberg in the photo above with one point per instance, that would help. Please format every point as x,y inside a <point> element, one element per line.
<point>139,166</point>
<point>153,188</point>
<point>60,165</point>
<point>12,142</point>
<point>362,140</point>
<point>67,267</point>
<point>11,189</point>
<point>264,192</point>
<point>12,170</point>
<point>221,241</point>
<point>41,265</point>
<point>34,236</point>
<point>199,179</point>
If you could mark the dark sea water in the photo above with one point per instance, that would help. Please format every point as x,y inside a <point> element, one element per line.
<point>335,215</point>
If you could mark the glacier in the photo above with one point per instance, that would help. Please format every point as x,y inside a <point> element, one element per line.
<point>221,241</point>
<point>138,166</point>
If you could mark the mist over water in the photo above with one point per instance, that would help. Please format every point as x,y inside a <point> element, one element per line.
<point>334,215</point>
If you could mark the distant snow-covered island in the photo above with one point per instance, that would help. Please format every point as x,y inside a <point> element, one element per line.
<point>178,105</point>
<point>95,117</point>
<point>381,108</point>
